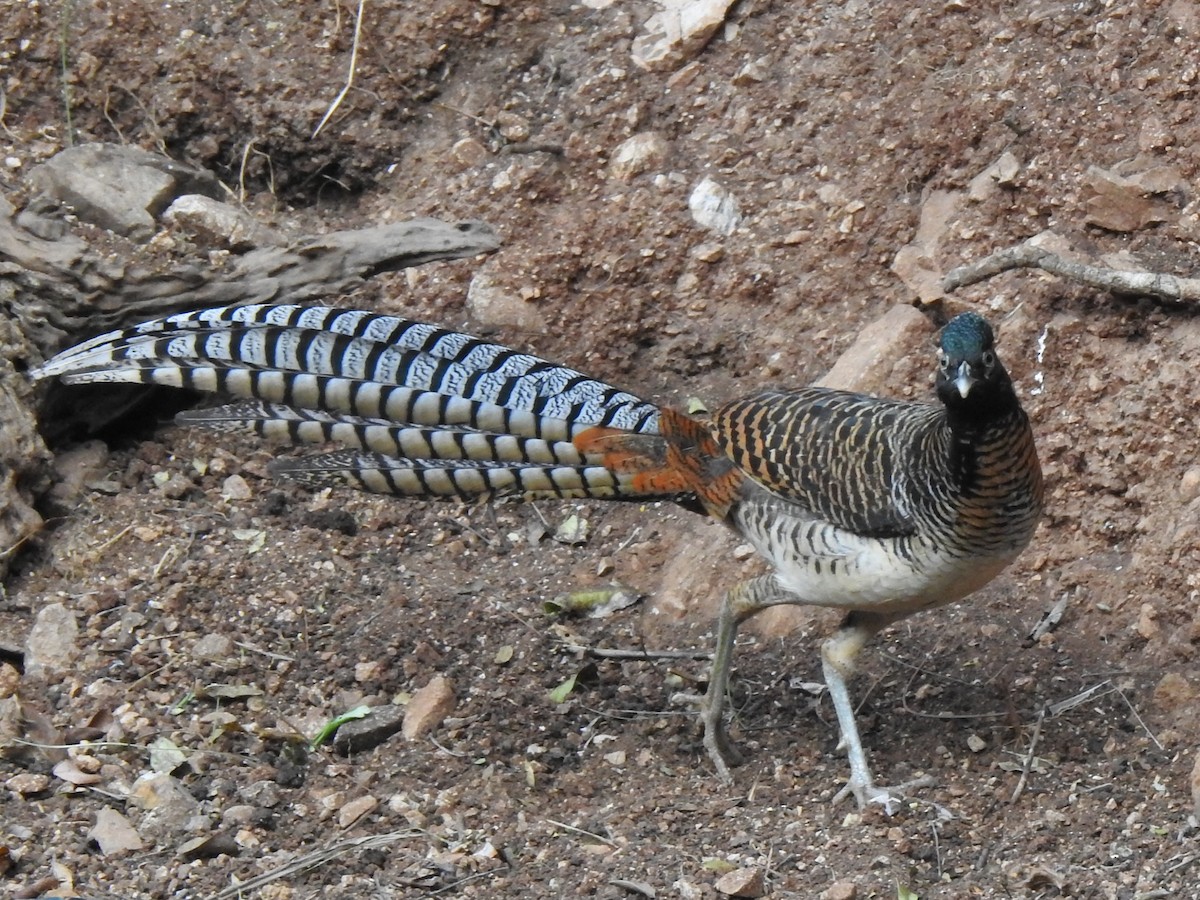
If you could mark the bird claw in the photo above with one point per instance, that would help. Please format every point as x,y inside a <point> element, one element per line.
<point>720,749</point>
<point>866,793</point>
<point>722,753</point>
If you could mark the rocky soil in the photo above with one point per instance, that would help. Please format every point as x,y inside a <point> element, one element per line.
<point>184,626</point>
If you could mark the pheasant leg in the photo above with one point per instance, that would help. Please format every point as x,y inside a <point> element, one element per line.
<point>837,662</point>
<point>739,604</point>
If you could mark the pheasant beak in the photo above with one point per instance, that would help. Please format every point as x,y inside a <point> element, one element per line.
<point>964,380</point>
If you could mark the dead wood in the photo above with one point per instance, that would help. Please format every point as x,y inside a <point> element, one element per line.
<point>56,287</point>
<point>1032,254</point>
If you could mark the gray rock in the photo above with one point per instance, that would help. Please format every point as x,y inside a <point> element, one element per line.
<point>640,153</point>
<point>677,32</point>
<point>714,208</point>
<point>51,645</point>
<point>113,833</point>
<point>211,223</point>
<point>495,305</point>
<point>214,647</point>
<point>119,188</point>
<point>167,806</point>
<point>360,735</point>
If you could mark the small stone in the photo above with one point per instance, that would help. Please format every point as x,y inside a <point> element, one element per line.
<point>1189,485</point>
<point>263,793</point>
<point>355,810</point>
<point>512,127</point>
<point>27,783</point>
<point>69,771</point>
<point>714,208</point>
<point>976,744</point>
<point>840,890</point>
<point>753,72</point>
<point>174,487</point>
<point>114,834</point>
<point>10,680</point>
<point>494,304</point>
<point>371,670</point>
<point>359,735</point>
<point>213,224</point>
<point>709,252</point>
<point>428,707</point>
<point>235,487</point>
<point>746,882</point>
<point>239,814</point>
<point>208,847</point>
<point>468,153</point>
<point>167,806</point>
<point>213,647</point>
<point>638,154</point>
<point>1154,135</point>
<point>87,763</point>
<point>1001,173</point>
<point>1119,202</point>
<point>51,645</point>
<point>12,724</point>
<point>679,31</point>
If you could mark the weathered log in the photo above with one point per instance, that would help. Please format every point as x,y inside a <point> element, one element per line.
<point>56,288</point>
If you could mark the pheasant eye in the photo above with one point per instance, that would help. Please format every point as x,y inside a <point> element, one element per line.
<point>943,359</point>
<point>988,358</point>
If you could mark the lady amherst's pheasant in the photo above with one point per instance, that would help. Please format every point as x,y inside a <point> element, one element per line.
<point>877,507</point>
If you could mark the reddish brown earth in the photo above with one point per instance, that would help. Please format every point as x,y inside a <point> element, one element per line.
<point>833,124</point>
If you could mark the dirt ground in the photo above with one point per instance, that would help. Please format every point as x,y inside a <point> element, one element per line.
<point>1062,766</point>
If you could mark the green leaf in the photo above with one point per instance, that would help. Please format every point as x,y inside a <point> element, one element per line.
<point>596,603</point>
<point>560,693</point>
<point>330,728</point>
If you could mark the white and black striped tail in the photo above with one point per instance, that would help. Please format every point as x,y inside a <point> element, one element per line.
<point>465,479</point>
<point>429,412</point>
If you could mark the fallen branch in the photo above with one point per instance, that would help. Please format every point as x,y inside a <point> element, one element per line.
<point>62,280</point>
<point>1030,255</point>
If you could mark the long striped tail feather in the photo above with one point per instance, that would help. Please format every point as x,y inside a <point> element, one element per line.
<point>359,364</point>
<point>424,412</point>
<point>466,480</point>
<point>286,424</point>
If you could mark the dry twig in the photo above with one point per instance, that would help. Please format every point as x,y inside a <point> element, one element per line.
<point>1029,255</point>
<point>337,101</point>
<point>1029,757</point>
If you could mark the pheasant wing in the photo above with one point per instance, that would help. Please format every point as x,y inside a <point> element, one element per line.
<point>836,454</point>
